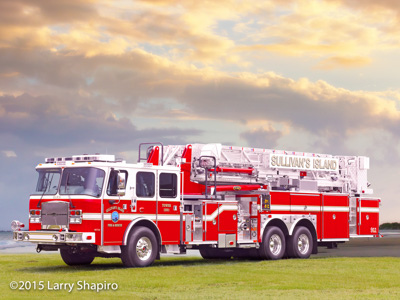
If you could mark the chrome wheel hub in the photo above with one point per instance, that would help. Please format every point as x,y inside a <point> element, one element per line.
<point>275,244</point>
<point>303,243</point>
<point>144,248</point>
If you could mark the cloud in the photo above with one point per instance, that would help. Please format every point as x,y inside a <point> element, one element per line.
<point>202,33</point>
<point>336,34</point>
<point>370,5</point>
<point>315,106</point>
<point>262,137</point>
<point>136,77</point>
<point>9,153</point>
<point>52,122</point>
<point>93,28</point>
<point>345,62</point>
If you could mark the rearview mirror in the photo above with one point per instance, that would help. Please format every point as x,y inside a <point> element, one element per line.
<point>121,179</point>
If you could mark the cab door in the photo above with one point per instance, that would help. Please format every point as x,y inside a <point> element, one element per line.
<point>145,194</point>
<point>116,205</point>
<point>168,217</point>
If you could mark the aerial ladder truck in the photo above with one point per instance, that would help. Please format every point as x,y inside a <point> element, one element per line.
<point>225,201</point>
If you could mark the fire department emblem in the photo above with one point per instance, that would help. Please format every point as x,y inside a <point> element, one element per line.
<point>115,216</point>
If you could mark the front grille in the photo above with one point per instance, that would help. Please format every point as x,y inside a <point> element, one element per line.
<point>55,214</point>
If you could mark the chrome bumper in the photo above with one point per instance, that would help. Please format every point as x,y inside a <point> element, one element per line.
<point>54,237</point>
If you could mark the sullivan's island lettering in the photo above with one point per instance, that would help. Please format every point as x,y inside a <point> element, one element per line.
<point>303,163</point>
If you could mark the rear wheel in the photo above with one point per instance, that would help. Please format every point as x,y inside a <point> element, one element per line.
<point>300,244</point>
<point>273,245</point>
<point>141,249</point>
<point>75,259</point>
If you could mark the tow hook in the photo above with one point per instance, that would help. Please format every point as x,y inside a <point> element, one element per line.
<point>38,249</point>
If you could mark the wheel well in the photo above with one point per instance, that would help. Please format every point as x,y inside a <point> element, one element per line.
<point>311,228</point>
<point>278,223</point>
<point>148,224</point>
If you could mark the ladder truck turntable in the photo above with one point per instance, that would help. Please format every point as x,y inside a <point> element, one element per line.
<point>225,201</point>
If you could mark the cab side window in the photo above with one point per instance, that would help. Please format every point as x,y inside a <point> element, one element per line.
<point>168,185</point>
<point>112,188</point>
<point>145,184</point>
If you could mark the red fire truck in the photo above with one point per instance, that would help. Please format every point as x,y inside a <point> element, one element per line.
<point>224,201</point>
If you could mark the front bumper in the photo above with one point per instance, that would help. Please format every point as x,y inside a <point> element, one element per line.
<point>54,237</point>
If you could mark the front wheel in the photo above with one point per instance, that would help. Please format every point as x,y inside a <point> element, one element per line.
<point>300,244</point>
<point>141,249</point>
<point>273,245</point>
<point>76,259</point>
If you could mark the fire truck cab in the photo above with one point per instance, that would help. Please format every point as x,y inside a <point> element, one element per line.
<point>225,201</point>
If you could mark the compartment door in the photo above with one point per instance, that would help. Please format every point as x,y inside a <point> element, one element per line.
<point>306,205</point>
<point>210,221</point>
<point>368,216</point>
<point>335,216</point>
<point>227,217</point>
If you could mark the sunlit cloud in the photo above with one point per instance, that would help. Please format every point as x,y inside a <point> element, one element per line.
<point>345,62</point>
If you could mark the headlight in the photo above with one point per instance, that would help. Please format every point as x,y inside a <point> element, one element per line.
<point>16,225</point>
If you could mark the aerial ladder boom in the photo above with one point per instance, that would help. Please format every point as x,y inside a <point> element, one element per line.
<point>281,170</point>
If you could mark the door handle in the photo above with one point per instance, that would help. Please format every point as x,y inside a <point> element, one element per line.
<point>133,204</point>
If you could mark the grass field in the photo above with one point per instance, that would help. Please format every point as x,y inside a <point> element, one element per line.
<point>195,278</point>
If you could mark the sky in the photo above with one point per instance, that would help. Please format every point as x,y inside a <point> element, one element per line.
<point>101,76</point>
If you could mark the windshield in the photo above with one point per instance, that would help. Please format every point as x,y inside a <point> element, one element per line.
<point>48,181</point>
<point>82,181</point>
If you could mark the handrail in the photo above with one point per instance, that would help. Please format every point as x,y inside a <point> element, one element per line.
<point>155,143</point>
<point>206,173</point>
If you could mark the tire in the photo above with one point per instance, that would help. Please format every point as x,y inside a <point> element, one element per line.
<point>273,246</point>
<point>300,243</point>
<point>76,259</point>
<point>141,249</point>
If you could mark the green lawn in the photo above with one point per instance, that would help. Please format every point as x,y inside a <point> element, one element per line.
<point>195,278</point>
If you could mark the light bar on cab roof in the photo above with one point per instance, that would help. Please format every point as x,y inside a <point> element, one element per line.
<point>81,158</point>
<point>95,157</point>
<point>57,159</point>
